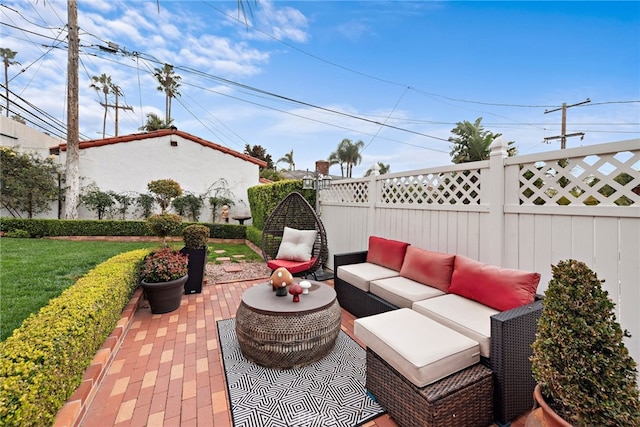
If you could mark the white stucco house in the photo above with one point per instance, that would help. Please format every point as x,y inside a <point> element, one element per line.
<point>126,164</point>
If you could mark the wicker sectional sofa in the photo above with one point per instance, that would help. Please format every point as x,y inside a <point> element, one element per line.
<point>495,307</point>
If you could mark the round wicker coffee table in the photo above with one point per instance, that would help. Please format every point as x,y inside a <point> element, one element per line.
<point>278,333</point>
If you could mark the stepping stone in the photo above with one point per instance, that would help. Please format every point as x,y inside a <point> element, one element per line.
<point>223,258</point>
<point>219,251</point>
<point>231,268</point>
<point>238,256</point>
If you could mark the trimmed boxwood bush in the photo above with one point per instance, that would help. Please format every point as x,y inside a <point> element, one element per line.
<point>43,361</point>
<point>92,227</point>
<point>264,198</point>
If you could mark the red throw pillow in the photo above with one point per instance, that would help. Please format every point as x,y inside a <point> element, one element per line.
<point>430,268</point>
<point>499,288</point>
<point>387,253</point>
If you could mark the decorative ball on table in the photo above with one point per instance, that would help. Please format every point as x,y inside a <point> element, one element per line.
<point>295,290</point>
<point>279,280</point>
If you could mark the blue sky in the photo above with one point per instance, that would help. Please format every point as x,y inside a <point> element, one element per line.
<point>303,75</point>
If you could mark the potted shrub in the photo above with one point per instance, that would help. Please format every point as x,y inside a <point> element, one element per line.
<point>164,273</point>
<point>195,239</point>
<point>584,372</point>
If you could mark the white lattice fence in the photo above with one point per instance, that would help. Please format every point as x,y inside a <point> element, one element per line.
<point>606,179</point>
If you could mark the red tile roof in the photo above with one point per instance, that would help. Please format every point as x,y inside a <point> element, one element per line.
<point>160,133</point>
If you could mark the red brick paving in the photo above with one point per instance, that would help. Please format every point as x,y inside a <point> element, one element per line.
<point>168,369</point>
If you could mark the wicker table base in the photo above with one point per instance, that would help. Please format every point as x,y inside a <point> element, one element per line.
<point>288,339</point>
<point>462,399</point>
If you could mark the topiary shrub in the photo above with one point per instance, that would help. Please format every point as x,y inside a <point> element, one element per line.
<point>579,359</point>
<point>163,225</point>
<point>165,190</point>
<point>195,236</point>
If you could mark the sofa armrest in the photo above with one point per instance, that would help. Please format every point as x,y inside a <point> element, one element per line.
<point>512,333</point>
<point>349,258</point>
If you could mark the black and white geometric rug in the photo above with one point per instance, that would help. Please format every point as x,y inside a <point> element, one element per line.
<point>330,392</point>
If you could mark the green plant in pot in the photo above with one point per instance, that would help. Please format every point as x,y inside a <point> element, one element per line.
<point>195,239</point>
<point>583,369</point>
<point>163,274</point>
<point>163,225</point>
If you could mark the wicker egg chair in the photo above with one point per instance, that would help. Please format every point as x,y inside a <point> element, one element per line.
<point>295,213</point>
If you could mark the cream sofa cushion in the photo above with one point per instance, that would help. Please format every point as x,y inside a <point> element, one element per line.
<point>468,317</point>
<point>359,275</point>
<point>402,292</point>
<point>422,350</point>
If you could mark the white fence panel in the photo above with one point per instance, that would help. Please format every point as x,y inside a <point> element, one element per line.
<point>525,212</point>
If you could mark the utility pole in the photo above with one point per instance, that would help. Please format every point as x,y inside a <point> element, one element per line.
<point>73,149</point>
<point>116,91</point>
<point>563,131</point>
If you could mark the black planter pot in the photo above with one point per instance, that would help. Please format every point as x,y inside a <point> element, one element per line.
<point>197,269</point>
<point>164,296</point>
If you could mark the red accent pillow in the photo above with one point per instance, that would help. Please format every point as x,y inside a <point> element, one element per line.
<point>387,253</point>
<point>496,287</point>
<point>430,268</point>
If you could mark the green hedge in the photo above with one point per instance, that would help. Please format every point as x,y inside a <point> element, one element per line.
<point>264,198</point>
<point>254,235</point>
<point>93,227</point>
<point>43,362</point>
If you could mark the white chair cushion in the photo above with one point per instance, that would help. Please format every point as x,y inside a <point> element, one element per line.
<point>402,292</point>
<point>468,317</point>
<point>359,275</point>
<point>422,350</point>
<point>296,245</point>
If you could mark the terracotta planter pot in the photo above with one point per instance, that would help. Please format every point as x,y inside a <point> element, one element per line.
<point>542,415</point>
<point>164,296</point>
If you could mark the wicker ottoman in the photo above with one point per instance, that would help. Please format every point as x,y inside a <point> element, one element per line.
<point>461,399</point>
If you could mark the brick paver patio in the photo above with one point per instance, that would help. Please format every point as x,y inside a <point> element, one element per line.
<point>168,370</point>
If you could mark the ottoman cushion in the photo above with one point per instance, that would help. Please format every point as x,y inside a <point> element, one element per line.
<point>359,275</point>
<point>421,349</point>
<point>468,317</point>
<point>402,292</point>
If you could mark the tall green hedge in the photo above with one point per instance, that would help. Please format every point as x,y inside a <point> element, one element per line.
<point>43,362</point>
<point>264,198</point>
<point>93,227</point>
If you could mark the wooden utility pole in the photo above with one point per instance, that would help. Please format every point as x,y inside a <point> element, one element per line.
<point>73,149</point>
<point>117,93</point>
<point>563,131</point>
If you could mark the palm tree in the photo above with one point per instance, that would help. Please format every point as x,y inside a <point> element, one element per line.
<point>288,158</point>
<point>473,142</point>
<point>382,169</point>
<point>8,56</point>
<point>103,84</point>
<point>169,83</point>
<point>154,122</point>
<point>347,156</point>
<point>334,159</point>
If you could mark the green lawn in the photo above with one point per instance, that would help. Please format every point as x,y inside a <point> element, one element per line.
<point>32,271</point>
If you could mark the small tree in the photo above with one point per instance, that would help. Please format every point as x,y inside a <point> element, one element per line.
<point>220,195</point>
<point>165,190</point>
<point>145,203</point>
<point>124,202</point>
<point>579,359</point>
<point>96,200</point>
<point>29,183</point>
<point>189,205</point>
<point>162,225</point>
